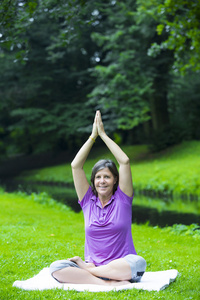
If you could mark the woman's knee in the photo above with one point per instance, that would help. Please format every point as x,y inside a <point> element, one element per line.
<point>55,266</point>
<point>137,265</point>
<point>141,263</point>
<point>61,264</point>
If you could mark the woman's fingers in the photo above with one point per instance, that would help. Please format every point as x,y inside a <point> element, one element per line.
<point>99,115</point>
<point>94,128</point>
<point>100,123</point>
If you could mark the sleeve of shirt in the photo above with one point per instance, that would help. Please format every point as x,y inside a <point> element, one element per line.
<point>85,201</point>
<point>123,197</point>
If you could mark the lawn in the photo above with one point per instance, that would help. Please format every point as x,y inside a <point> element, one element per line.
<point>36,230</point>
<point>175,170</point>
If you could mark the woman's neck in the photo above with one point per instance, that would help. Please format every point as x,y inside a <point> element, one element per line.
<point>104,200</point>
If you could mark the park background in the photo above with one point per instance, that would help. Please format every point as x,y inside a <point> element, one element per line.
<point>138,62</point>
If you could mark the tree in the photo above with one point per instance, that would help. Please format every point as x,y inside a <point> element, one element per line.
<point>131,86</point>
<point>184,106</point>
<point>17,17</point>
<point>178,21</point>
<point>49,88</point>
<point>53,54</point>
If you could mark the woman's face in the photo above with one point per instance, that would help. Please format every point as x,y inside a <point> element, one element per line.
<point>104,182</point>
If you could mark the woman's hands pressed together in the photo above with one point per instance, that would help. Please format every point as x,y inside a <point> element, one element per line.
<point>98,128</point>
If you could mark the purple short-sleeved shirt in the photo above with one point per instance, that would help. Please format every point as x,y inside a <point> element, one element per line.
<point>107,230</point>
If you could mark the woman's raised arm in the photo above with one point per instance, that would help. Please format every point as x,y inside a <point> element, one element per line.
<point>80,180</point>
<point>125,176</point>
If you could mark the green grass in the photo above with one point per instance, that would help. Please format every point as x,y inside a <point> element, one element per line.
<point>35,230</point>
<point>175,170</point>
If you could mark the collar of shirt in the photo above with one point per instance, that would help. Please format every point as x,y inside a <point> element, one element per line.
<point>98,202</point>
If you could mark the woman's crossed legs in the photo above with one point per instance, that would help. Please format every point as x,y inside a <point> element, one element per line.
<point>117,272</point>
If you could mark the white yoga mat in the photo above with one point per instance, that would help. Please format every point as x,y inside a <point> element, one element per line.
<point>151,281</point>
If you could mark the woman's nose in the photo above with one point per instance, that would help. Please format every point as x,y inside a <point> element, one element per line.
<point>102,179</point>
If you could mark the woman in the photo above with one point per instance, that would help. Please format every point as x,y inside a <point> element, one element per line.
<point>110,256</point>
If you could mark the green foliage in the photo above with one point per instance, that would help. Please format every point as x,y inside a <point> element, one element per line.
<point>131,86</point>
<point>56,54</point>
<point>184,106</point>
<point>180,229</point>
<point>41,100</point>
<point>46,129</point>
<point>179,23</point>
<point>45,199</point>
<point>123,86</point>
<point>18,18</point>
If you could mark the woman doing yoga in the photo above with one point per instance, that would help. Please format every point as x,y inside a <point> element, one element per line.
<point>110,256</point>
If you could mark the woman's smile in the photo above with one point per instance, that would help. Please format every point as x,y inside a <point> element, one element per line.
<point>104,182</point>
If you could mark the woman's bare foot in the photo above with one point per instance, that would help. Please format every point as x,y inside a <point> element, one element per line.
<point>81,263</point>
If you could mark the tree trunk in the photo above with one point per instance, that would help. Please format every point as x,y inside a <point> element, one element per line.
<point>159,109</point>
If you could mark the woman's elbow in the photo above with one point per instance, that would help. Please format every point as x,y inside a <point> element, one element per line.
<point>126,161</point>
<point>73,165</point>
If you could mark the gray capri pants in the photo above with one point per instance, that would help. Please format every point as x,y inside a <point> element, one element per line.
<point>136,262</point>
